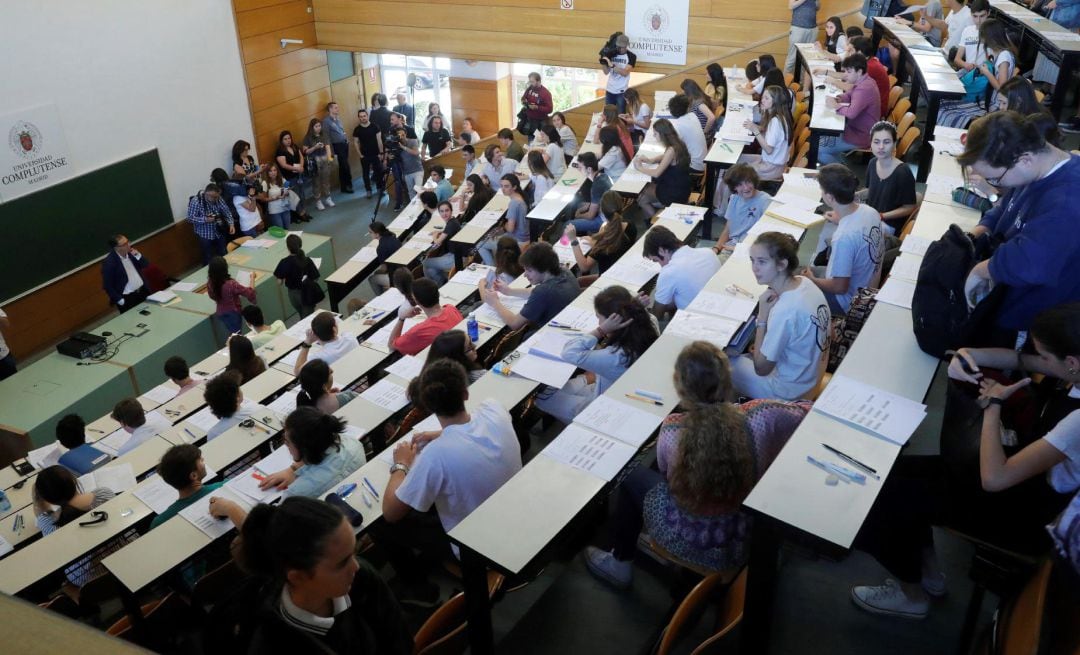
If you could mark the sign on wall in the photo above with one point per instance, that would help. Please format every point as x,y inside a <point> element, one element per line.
<point>657,30</point>
<point>34,154</point>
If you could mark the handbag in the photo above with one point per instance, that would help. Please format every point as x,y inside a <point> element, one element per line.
<point>310,292</point>
<point>975,83</point>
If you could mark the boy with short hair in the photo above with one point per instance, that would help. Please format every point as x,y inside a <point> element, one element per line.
<point>261,333</point>
<point>183,469</point>
<point>81,457</point>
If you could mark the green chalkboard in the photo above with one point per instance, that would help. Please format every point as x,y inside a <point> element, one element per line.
<point>66,226</point>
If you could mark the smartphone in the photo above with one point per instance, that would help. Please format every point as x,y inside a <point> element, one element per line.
<point>355,518</point>
<point>23,468</point>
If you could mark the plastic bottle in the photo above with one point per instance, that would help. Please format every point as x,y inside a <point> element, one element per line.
<point>473,327</point>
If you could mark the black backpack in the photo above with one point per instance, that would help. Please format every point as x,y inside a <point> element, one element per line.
<point>939,310</point>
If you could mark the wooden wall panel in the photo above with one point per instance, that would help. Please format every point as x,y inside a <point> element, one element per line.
<point>46,316</point>
<point>274,93</point>
<point>264,46</point>
<point>267,70</point>
<point>250,23</point>
<point>478,100</point>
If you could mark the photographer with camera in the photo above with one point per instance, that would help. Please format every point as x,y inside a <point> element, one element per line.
<point>537,104</point>
<point>618,63</point>
<point>398,139</point>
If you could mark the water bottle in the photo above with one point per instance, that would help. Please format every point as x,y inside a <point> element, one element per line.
<point>5,504</point>
<point>473,327</point>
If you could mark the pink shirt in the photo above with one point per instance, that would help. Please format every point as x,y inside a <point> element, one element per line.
<point>231,292</point>
<point>863,111</point>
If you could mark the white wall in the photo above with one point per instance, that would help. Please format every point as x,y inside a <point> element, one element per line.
<point>131,75</point>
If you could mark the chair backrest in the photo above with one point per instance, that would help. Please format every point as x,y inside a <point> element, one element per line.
<point>729,615</point>
<point>14,444</point>
<point>729,612</point>
<point>906,141</point>
<point>412,417</point>
<point>823,376</point>
<point>236,243</point>
<point>217,584</point>
<point>444,631</point>
<point>802,123</point>
<point>905,124</point>
<point>892,80</point>
<point>507,344</point>
<point>795,87</point>
<point>801,162</point>
<point>802,136</point>
<point>899,109</point>
<point>161,622</point>
<point>804,150</point>
<point>894,95</point>
<point>1019,630</point>
<point>63,605</point>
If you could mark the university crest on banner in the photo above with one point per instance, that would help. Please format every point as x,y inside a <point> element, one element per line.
<point>36,152</point>
<point>658,30</point>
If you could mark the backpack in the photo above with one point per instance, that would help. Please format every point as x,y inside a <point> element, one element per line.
<point>939,310</point>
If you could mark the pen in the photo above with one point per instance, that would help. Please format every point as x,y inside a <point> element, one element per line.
<point>846,473</point>
<point>643,399</point>
<point>725,146</point>
<point>363,497</point>
<point>191,434</point>
<point>739,291</point>
<point>648,394</point>
<point>346,489</point>
<point>851,460</point>
<point>371,488</point>
<point>377,315</point>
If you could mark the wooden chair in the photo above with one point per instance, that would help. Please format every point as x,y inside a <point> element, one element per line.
<point>1018,629</point>
<point>215,585</point>
<point>411,418</point>
<point>63,605</point>
<point>445,630</point>
<point>801,162</point>
<point>795,87</point>
<point>161,620</point>
<point>800,111</point>
<point>728,616</point>
<point>892,80</point>
<point>1039,95</point>
<point>802,123</point>
<point>507,344</point>
<point>801,154</point>
<point>906,141</point>
<point>899,109</point>
<point>801,136</point>
<point>894,95</point>
<point>788,79</point>
<point>236,243</point>
<point>14,444</point>
<point>697,194</point>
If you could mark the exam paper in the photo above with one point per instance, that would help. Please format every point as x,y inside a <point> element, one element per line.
<point>906,267</point>
<point>158,495</point>
<point>635,271</point>
<point>112,443</point>
<point>246,278</point>
<point>203,419</point>
<point>365,254</point>
<point>247,485</point>
<point>386,394</point>
<point>799,216</point>
<point>588,451</point>
<point>5,547</point>
<point>407,367</point>
<point>549,343</point>
<point>162,297</point>
<point>45,456</point>
<point>544,370</point>
<point>198,513</point>
<point>285,403</point>
<point>117,477</point>
<point>915,244</point>
<point>388,301</point>
<point>382,335</point>
<point>726,305</point>
<point>713,329</point>
<point>487,315</point>
<point>472,274</point>
<point>886,414</point>
<point>897,291</point>
<point>162,393</point>
<point>278,460</point>
<point>620,420</point>
<point>578,318</point>
<point>184,286</point>
<point>798,200</point>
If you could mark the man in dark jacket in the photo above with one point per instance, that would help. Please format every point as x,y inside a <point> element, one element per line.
<point>121,274</point>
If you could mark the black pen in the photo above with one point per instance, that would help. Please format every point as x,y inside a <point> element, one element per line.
<point>851,460</point>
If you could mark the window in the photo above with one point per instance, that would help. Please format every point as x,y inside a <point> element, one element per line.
<point>568,86</point>
<point>430,83</point>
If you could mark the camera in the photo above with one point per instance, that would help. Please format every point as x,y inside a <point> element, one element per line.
<point>610,49</point>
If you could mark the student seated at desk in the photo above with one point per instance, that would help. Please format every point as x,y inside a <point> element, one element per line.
<point>261,333</point>
<point>131,416</point>
<point>774,134</point>
<point>670,171</point>
<point>508,260</point>
<point>1022,489</point>
<point>689,129</point>
<point>516,224</point>
<point>793,323</point>
<point>176,369</point>
<point>386,244</point>
<point>443,188</point>
<point>625,331</point>
<point>444,254</point>
<point>969,51</point>
<point>587,218</point>
<point>549,144</point>
<point>498,164</point>
<point>709,458</point>
<point>835,42</point>
<point>430,203</point>
<point>683,273</point>
<point>458,468</point>
<point>332,346</point>
<point>57,502</point>
<point>541,179</point>
<point>860,106</point>
<point>226,292</point>
<point>81,457</point>
<point>566,135</point>
<point>509,146</point>
<point>318,596</point>
<point>745,206</point>
<point>322,455</point>
<point>999,67</point>
<point>183,469</point>
<point>615,237</point>
<point>552,289</point>
<point>317,388</point>
<point>438,319</point>
<point>454,346</point>
<point>226,401</point>
<point>614,157</point>
<point>855,256</point>
<point>242,359</point>
<point>890,184</point>
<point>477,195</point>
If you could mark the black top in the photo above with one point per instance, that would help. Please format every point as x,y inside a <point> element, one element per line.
<point>368,137</point>
<point>452,227</point>
<point>673,185</point>
<point>388,245</point>
<point>894,191</point>
<point>380,116</point>
<point>293,272</point>
<point>291,159</point>
<point>436,141</point>
<point>604,260</point>
<point>407,111</point>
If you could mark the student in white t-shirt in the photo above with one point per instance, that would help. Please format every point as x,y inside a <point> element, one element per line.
<point>689,129</point>
<point>332,346</point>
<point>684,271</point>
<point>226,402</point>
<point>970,52</point>
<point>792,325</point>
<point>131,416</point>
<point>454,469</point>
<point>774,134</point>
<point>958,19</point>
<point>855,257</point>
<point>248,211</point>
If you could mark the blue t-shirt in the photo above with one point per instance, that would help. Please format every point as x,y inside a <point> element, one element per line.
<point>856,251</point>
<point>742,214</point>
<point>805,15</point>
<point>516,212</point>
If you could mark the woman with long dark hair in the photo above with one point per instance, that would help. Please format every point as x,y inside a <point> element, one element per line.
<point>541,177</point>
<point>700,104</point>
<point>624,332</point>
<point>290,160</point>
<point>317,388</point>
<point>227,293</point>
<point>638,116</point>
<point>670,171</point>
<point>242,358</point>
<point>614,157</point>
<point>477,195</point>
<point>610,243</point>
<point>318,154</point>
<point>549,143</point>
<point>293,271</point>
<point>244,165</point>
<point>516,225</point>
<point>716,89</point>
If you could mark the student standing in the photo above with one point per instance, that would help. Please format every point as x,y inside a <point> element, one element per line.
<point>339,141</point>
<point>368,141</point>
<point>803,28</point>
<point>317,152</point>
<point>293,270</point>
<point>226,292</point>
<point>618,69</point>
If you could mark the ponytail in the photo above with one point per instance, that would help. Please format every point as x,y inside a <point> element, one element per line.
<point>781,246</point>
<point>295,247</point>
<point>289,537</point>
<point>313,379</point>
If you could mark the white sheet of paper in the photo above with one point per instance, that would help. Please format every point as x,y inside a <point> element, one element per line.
<point>897,291</point>
<point>5,547</point>
<point>157,494</point>
<point>285,403</point>
<point>886,414</point>
<point>634,271</point>
<point>915,244</point>
<point>589,451</point>
<point>736,308</point>
<point>365,254</point>
<point>278,460</point>
<point>247,485</point>
<point>714,329</point>
<point>118,477</point>
<point>796,215</point>
<point>382,335</point>
<point>579,318</point>
<point>317,261</point>
<point>112,443</point>
<point>770,224</point>
<point>203,419</point>
<point>45,456</point>
<point>386,394</point>
<point>800,179</point>
<point>198,513</point>
<point>543,369</point>
<point>289,360</point>
<point>472,274</point>
<point>620,420</point>
<point>407,367</point>
<point>488,316</point>
<point>387,301</point>
<point>548,343</point>
<point>161,296</point>
<point>354,432</point>
<point>244,277</point>
<point>906,267</point>
<point>184,286</point>
<point>162,393</point>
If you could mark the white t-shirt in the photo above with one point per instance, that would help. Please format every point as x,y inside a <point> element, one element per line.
<point>569,140</point>
<point>1001,59</point>
<point>856,251</point>
<point>467,463</point>
<point>245,411</point>
<point>4,350</point>
<point>689,128</point>
<point>248,218</point>
<point>616,82</point>
<point>643,112</point>
<point>540,186</point>
<point>957,21</point>
<point>143,433</point>
<point>331,351</point>
<point>685,276</point>
<point>796,335</point>
<point>974,52</point>
<point>774,136</point>
<point>1065,436</point>
<point>556,160</point>
<point>613,163</point>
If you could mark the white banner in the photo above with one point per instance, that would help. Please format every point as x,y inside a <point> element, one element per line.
<point>657,30</point>
<point>34,154</point>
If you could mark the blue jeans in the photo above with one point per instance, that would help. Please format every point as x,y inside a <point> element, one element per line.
<point>212,248</point>
<point>438,268</point>
<point>586,226</point>
<point>487,249</point>
<point>232,321</point>
<point>280,220</point>
<point>830,150</point>
<point>253,232</point>
<point>617,99</point>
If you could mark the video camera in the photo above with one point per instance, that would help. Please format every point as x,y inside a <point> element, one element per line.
<point>610,49</point>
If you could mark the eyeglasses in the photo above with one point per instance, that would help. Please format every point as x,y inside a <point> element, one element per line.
<point>996,181</point>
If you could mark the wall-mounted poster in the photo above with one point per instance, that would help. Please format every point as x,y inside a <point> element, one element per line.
<point>34,154</point>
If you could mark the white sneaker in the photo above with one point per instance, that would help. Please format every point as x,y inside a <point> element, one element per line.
<point>329,202</point>
<point>889,600</point>
<point>319,205</point>
<point>603,565</point>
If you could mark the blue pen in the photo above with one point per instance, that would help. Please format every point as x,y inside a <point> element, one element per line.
<point>191,434</point>
<point>376,315</point>
<point>372,488</point>
<point>346,489</point>
<point>848,474</point>
<point>648,394</point>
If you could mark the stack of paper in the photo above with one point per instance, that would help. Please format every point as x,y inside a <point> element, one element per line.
<point>258,243</point>
<point>621,420</point>
<point>661,99</point>
<point>365,254</point>
<point>162,393</point>
<point>117,477</point>
<point>111,444</point>
<point>247,484</point>
<point>713,329</point>
<point>471,274</point>
<point>885,414</point>
<point>387,301</point>
<point>769,224</point>
<point>634,271</point>
<point>184,286</point>
<point>589,451</point>
<point>796,213</point>
<point>485,314</point>
<point>382,335</point>
<point>203,419</point>
<point>386,394</point>
<point>897,291</point>
<point>162,297</point>
<point>906,267</point>
<point>198,513</point>
<point>486,218</point>
<point>45,456</point>
<point>737,308</point>
<point>285,403</point>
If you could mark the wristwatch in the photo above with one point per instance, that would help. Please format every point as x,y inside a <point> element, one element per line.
<point>398,466</point>
<point>574,242</point>
<point>305,345</point>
